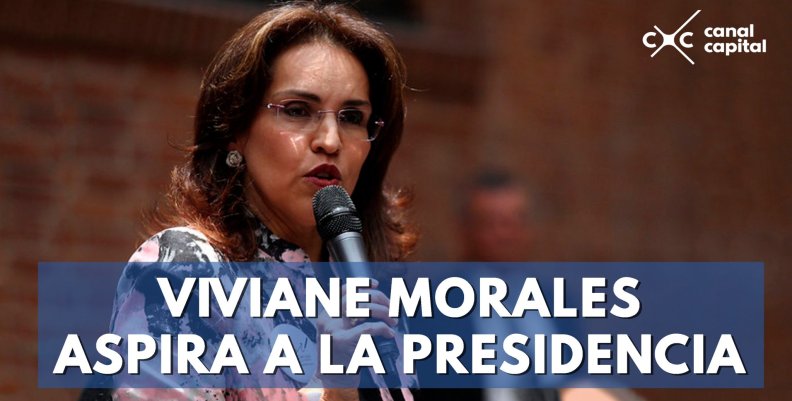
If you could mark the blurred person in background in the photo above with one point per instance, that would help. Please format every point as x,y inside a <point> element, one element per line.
<point>498,219</point>
<point>496,223</point>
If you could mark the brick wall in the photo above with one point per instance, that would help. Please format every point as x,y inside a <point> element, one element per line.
<point>83,153</point>
<point>630,158</point>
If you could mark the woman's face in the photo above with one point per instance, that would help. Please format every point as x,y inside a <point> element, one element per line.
<point>285,165</point>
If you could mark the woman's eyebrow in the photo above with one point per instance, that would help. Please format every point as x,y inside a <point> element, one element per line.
<point>356,103</point>
<point>298,94</point>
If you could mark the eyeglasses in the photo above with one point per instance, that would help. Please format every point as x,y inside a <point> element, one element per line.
<point>301,117</point>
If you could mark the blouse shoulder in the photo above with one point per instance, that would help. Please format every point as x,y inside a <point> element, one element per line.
<point>177,244</point>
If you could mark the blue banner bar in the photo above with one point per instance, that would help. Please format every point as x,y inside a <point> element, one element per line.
<point>460,325</point>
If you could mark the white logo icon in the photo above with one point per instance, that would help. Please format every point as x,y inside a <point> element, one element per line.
<point>670,39</point>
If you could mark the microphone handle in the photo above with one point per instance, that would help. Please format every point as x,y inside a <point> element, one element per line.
<point>348,247</point>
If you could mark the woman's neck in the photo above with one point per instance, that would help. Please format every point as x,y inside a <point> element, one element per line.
<point>314,250</point>
<point>307,238</point>
<point>303,235</point>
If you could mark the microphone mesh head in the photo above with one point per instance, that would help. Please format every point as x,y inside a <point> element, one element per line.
<point>335,213</point>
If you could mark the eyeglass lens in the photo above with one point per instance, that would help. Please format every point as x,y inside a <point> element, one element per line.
<point>301,117</point>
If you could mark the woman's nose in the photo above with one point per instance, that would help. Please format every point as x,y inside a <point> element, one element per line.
<point>327,137</point>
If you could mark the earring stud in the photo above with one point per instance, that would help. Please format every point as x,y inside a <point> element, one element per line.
<point>234,159</point>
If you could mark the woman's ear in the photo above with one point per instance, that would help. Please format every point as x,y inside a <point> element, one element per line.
<point>238,144</point>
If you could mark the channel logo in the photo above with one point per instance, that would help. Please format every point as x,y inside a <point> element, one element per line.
<point>671,39</point>
<point>725,40</point>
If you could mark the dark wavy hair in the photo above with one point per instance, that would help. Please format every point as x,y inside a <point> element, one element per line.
<point>207,194</point>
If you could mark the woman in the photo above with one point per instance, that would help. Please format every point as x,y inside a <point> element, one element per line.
<point>302,97</point>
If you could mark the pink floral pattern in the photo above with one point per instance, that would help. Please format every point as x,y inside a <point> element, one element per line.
<point>140,310</point>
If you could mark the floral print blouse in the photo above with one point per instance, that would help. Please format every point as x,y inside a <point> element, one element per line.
<point>139,308</point>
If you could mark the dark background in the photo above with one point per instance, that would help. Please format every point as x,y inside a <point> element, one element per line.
<point>629,158</point>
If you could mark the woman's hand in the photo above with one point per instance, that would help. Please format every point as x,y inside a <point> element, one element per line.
<point>346,332</point>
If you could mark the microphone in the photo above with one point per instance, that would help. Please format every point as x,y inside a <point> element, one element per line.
<point>340,227</point>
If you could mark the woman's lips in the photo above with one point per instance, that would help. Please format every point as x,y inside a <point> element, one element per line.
<point>324,175</point>
<point>322,182</point>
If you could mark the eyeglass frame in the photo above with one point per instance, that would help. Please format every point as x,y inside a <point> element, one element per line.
<point>379,123</point>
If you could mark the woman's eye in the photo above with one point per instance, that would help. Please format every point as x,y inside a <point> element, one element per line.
<point>297,110</point>
<point>354,117</point>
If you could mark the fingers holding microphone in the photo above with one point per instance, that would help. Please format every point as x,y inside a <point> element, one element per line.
<point>339,226</point>
<point>378,306</point>
<point>346,332</point>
